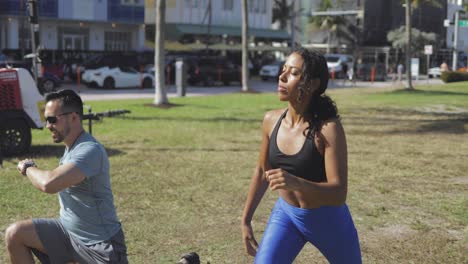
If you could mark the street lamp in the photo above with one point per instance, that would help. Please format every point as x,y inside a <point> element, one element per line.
<point>33,19</point>
<point>458,9</point>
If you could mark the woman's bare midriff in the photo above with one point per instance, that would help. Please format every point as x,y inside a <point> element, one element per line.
<point>297,199</point>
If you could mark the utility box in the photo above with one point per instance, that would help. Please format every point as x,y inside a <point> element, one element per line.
<point>181,77</point>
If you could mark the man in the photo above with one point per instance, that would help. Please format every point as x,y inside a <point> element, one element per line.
<point>87,230</point>
<point>344,69</point>
<point>444,67</point>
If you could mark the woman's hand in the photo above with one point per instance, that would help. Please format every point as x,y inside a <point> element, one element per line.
<point>281,179</point>
<point>250,243</point>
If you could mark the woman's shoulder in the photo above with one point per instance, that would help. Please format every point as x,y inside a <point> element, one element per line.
<point>270,118</point>
<point>273,115</point>
<point>331,127</point>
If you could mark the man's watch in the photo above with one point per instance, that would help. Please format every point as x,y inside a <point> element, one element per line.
<point>26,165</point>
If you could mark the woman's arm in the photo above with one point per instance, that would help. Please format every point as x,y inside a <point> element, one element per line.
<point>257,188</point>
<point>332,192</point>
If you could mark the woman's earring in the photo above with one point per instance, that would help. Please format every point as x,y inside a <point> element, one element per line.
<point>301,94</point>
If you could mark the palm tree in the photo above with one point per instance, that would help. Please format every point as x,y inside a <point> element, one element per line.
<point>408,4</point>
<point>245,48</point>
<point>409,85</point>
<point>282,12</point>
<point>330,23</point>
<point>160,89</point>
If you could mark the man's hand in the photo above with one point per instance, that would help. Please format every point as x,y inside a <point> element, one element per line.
<point>23,165</point>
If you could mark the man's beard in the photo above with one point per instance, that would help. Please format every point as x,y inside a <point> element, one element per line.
<point>58,137</point>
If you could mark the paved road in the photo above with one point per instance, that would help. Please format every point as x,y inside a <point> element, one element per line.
<point>93,94</point>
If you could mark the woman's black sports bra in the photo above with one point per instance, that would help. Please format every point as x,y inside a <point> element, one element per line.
<point>308,163</point>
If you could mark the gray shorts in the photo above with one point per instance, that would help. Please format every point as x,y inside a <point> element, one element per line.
<point>62,247</point>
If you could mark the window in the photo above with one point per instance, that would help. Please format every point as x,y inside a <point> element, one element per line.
<point>24,40</point>
<point>257,6</point>
<point>132,2</point>
<point>117,40</point>
<point>196,3</point>
<point>228,5</point>
<point>191,3</point>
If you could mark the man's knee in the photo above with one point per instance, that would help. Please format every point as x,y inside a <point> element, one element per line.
<point>12,235</point>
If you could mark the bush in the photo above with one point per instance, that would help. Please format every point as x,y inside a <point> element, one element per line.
<point>454,76</point>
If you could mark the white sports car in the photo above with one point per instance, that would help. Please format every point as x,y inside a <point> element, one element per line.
<point>434,72</point>
<point>118,77</point>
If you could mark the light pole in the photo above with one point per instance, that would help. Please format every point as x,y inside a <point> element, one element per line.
<point>33,19</point>
<point>455,35</point>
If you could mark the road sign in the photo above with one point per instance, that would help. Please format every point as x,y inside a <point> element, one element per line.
<point>463,23</point>
<point>428,49</point>
<point>446,23</point>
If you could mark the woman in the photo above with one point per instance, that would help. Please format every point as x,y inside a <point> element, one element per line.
<point>303,157</point>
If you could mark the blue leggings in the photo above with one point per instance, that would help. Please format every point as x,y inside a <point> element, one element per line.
<point>329,228</point>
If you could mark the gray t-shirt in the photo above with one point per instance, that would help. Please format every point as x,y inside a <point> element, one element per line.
<point>87,209</point>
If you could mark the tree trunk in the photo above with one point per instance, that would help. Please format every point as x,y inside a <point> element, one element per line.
<point>408,45</point>
<point>160,89</point>
<point>245,48</point>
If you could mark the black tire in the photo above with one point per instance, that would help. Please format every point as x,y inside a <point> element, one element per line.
<point>109,83</point>
<point>15,137</point>
<point>147,83</point>
<point>47,86</point>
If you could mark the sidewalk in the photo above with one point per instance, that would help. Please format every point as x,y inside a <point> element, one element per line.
<point>95,94</point>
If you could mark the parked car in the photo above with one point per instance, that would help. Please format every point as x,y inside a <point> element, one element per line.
<point>335,64</point>
<point>103,60</point>
<point>55,69</point>
<point>434,72</point>
<point>364,71</point>
<point>49,82</point>
<point>271,71</point>
<point>211,70</point>
<point>169,69</point>
<point>117,77</point>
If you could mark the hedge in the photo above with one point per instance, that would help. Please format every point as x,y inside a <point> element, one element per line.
<point>454,76</point>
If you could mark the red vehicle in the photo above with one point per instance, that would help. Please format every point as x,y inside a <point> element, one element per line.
<point>21,109</point>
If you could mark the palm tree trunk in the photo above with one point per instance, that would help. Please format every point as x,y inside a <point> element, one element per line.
<point>408,45</point>
<point>245,50</point>
<point>160,89</point>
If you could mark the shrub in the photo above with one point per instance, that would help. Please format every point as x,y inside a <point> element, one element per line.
<point>454,76</point>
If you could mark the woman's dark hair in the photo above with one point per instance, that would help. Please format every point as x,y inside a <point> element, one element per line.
<point>321,107</point>
<point>71,102</point>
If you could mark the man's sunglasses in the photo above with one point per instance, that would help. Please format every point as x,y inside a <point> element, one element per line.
<point>53,119</point>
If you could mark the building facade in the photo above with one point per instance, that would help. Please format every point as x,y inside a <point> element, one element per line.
<point>81,25</point>
<point>382,16</point>
<point>452,6</point>
<point>216,22</point>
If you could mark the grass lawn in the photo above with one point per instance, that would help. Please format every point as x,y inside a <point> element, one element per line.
<point>180,175</point>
